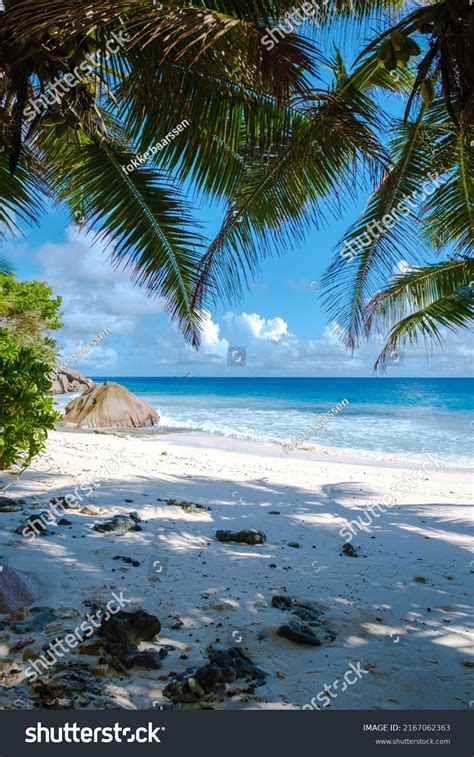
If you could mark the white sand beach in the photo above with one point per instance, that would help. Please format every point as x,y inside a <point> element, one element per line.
<point>400,610</point>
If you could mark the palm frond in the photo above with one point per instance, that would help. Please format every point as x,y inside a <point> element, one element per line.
<point>421,302</point>
<point>281,196</point>
<point>448,57</point>
<point>5,267</point>
<point>372,246</point>
<point>449,211</point>
<point>22,195</point>
<point>140,214</point>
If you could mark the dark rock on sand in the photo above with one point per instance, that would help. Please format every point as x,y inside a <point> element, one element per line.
<point>134,515</point>
<point>62,502</point>
<point>16,590</point>
<point>121,635</point>
<point>243,665</point>
<point>303,633</point>
<point>15,698</point>
<point>224,667</point>
<point>37,524</point>
<point>8,505</point>
<point>74,686</point>
<point>248,536</point>
<point>38,619</point>
<point>188,507</point>
<point>119,524</point>
<point>128,560</point>
<point>303,610</point>
<point>349,550</point>
<point>130,627</point>
<point>150,659</point>
<point>299,634</point>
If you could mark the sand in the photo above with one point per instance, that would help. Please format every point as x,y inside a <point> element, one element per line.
<point>401,609</point>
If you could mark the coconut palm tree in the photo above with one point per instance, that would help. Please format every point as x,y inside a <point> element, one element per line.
<point>76,110</point>
<point>134,70</point>
<point>367,291</point>
<point>267,134</point>
<point>422,302</point>
<point>426,55</point>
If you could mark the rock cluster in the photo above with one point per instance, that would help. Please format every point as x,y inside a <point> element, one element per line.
<point>65,380</point>
<point>119,524</point>
<point>209,681</point>
<point>313,631</point>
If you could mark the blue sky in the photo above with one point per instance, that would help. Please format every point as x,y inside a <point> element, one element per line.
<point>280,321</point>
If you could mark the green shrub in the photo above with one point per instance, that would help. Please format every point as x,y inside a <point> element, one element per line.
<point>26,406</point>
<point>28,311</point>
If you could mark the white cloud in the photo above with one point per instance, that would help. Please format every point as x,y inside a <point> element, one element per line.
<point>143,342</point>
<point>95,294</point>
<point>210,332</point>
<point>260,328</point>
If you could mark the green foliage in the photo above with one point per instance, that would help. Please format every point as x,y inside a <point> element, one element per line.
<point>203,61</point>
<point>27,310</point>
<point>4,267</point>
<point>269,138</point>
<point>26,407</point>
<point>422,301</point>
<point>432,166</point>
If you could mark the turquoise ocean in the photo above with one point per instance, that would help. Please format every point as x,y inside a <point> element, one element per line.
<point>404,416</point>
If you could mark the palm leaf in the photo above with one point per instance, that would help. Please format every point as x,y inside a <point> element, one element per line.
<point>356,271</point>
<point>5,267</point>
<point>22,196</point>
<point>281,196</point>
<point>421,302</point>
<point>449,211</point>
<point>140,214</point>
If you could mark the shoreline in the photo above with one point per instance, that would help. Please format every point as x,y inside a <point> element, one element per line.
<point>317,453</point>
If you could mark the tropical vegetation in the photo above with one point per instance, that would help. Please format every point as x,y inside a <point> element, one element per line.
<point>279,137</point>
<point>28,311</point>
